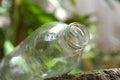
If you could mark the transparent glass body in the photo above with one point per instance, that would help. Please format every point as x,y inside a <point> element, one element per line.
<point>51,50</point>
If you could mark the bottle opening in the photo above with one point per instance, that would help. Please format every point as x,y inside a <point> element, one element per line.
<point>76,35</point>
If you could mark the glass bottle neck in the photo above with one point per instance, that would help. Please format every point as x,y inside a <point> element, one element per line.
<point>73,38</point>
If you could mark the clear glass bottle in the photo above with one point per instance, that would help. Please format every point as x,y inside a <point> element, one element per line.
<point>51,50</point>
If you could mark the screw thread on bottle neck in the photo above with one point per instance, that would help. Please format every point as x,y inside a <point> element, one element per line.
<point>76,35</point>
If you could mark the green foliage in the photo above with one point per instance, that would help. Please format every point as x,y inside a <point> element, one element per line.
<point>75,71</point>
<point>35,15</point>
<point>2,40</point>
<point>5,8</point>
<point>2,36</point>
<point>118,0</point>
<point>8,47</point>
<point>39,13</point>
<point>52,62</point>
<point>78,18</point>
<point>73,1</point>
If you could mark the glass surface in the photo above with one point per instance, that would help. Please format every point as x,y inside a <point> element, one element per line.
<point>50,51</point>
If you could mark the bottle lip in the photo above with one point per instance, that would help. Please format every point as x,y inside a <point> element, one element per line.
<point>76,35</point>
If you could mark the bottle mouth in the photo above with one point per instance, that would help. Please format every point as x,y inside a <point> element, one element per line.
<point>76,35</point>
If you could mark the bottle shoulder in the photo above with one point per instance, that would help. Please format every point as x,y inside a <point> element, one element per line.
<point>52,27</point>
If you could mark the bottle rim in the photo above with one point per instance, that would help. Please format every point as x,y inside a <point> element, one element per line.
<point>76,35</point>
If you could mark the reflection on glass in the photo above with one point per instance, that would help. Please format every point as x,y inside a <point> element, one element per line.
<point>51,50</point>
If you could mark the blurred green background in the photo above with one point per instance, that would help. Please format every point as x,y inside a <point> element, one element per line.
<point>19,18</point>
